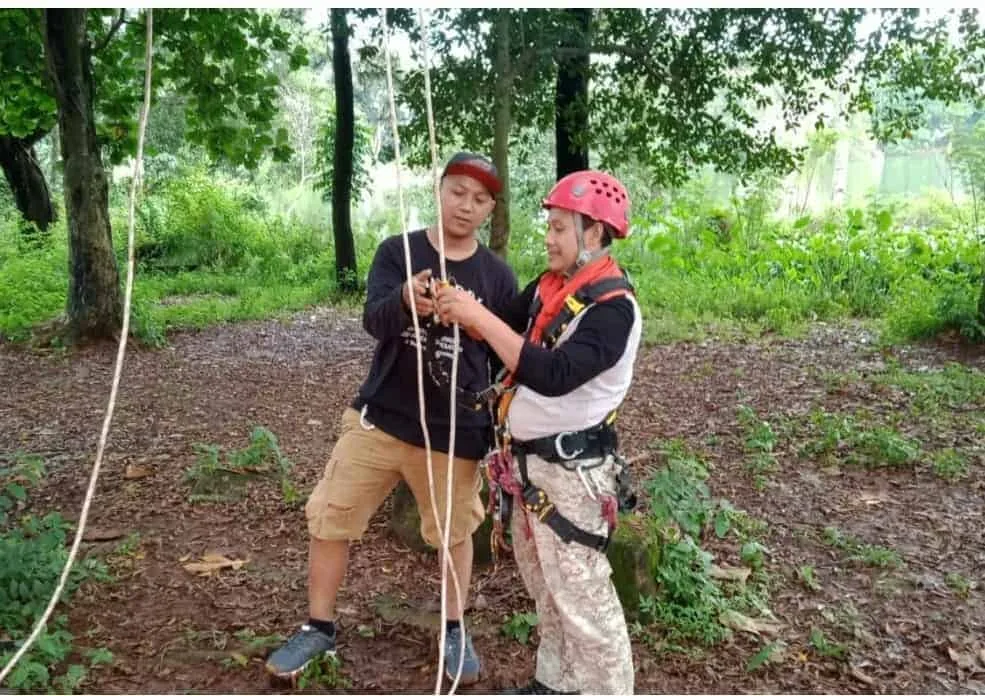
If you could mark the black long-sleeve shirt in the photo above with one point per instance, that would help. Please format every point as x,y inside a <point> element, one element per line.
<point>390,389</point>
<point>596,345</point>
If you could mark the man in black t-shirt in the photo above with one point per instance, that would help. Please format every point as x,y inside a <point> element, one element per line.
<point>381,440</point>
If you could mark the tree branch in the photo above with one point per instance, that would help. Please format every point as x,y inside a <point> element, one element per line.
<point>112,32</point>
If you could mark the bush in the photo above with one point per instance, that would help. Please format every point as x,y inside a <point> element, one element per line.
<point>34,552</point>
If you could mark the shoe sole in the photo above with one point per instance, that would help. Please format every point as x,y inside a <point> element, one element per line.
<point>465,680</point>
<point>295,673</point>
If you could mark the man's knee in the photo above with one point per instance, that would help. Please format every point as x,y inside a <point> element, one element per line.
<point>467,512</point>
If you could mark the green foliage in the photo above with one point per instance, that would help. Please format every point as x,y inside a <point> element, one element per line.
<point>361,157</point>
<point>199,223</point>
<point>720,71</point>
<point>950,464</point>
<point>27,107</point>
<point>760,441</point>
<point>808,577</point>
<point>219,59</point>
<point>860,552</point>
<point>959,584</point>
<point>326,673</point>
<point>953,388</point>
<point>34,553</point>
<point>825,646</point>
<point>212,249</point>
<point>689,603</point>
<point>776,274</point>
<point>519,626</point>
<point>213,480</point>
<point>839,438</point>
<point>763,656</point>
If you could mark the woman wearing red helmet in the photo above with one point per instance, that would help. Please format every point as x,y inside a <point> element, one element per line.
<point>569,342</point>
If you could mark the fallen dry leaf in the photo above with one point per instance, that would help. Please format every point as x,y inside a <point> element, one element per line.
<point>738,574</point>
<point>741,622</point>
<point>212,563</point>
<point>239,658</point>
<point>962,659</point>
<point>135,471</point>
<point>862,676</point>
<point>102,534</point>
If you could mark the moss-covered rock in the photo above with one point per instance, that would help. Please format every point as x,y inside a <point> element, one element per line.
<point>405,525</point>
<point>634,561</point>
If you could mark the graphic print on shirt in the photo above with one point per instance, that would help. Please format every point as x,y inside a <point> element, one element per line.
<point>438,342</point>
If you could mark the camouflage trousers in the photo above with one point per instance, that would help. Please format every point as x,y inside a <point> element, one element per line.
<point>584,642</point>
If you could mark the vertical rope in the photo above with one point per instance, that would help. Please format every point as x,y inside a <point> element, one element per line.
<point>121,351</point>
<point>420,361</point>
<point>456,343</point>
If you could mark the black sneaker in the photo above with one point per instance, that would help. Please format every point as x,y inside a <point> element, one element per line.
<point>535,687</point>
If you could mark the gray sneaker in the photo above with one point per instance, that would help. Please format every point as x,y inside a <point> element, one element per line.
<point>454,649</point>
<point>307,644</point>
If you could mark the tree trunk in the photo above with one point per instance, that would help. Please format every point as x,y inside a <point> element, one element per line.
<point>345,247</point>
<point>571,97</point>
<point>839,175</point>
<point>26,179</point>
<point>94,308</point>
<point>499,237</point>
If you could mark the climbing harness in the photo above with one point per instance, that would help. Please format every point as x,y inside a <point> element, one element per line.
<point>118,369</point>
<point>571,450</point>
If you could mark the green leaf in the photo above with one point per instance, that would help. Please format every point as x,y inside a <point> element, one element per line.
<point>752,554</point>
<point>884,220</point>
<point>761,657</point>
<point>100,656</point>
<point>722,524</point>
<point>70,681</point>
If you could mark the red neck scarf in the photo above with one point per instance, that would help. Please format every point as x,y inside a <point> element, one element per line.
<point>554,289</point>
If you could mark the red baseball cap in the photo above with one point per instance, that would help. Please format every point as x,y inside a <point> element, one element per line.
<point>475,166</point>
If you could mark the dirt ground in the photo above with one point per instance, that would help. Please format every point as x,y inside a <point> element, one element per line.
<point>907,629</point>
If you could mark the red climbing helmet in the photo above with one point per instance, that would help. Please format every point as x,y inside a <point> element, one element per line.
<point>595,194</point>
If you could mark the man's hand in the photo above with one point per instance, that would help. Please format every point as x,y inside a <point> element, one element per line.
<point>456,305</point>
<point>417,293</point>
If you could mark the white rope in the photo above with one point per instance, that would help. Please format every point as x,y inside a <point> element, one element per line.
<point>121,351</point>
<point>443,535</point>
<point>456,342</point>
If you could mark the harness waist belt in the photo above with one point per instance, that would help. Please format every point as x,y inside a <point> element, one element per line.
<point>586,444</point>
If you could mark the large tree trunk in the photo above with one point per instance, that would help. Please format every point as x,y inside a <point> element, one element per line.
<point>26,179</point>
<point>345,247</point>
<point>499,237</point>
<point>94,308</point>
<point>571,98</point>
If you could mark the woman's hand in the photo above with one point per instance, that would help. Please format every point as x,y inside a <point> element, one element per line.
<point>455,305</point>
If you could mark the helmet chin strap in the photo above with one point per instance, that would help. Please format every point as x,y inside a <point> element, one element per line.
<point>584,255</point>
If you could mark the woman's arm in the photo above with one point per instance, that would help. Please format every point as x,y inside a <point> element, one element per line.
<point>596,345</point>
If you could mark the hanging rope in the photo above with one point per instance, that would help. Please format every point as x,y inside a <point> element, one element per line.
<point>456,342</point>
<point>121,351</point>
<point>442,533</point>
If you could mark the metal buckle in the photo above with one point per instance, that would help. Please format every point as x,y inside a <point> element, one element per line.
<point>534,500</point>
<point>559,447</point>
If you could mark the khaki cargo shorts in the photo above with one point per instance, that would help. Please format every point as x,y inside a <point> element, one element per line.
<point>366,465</point>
